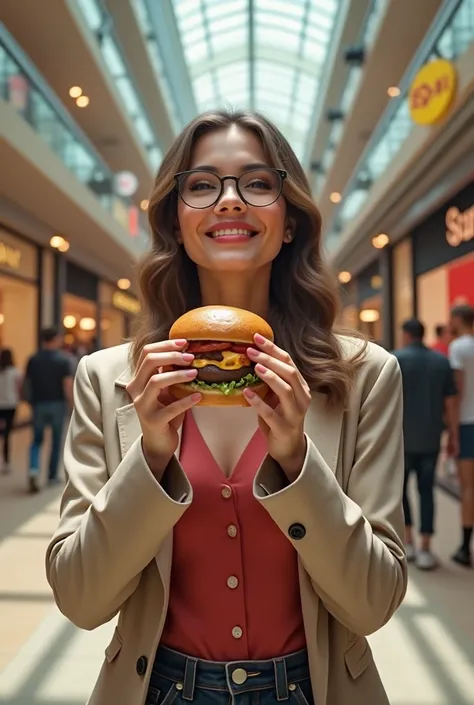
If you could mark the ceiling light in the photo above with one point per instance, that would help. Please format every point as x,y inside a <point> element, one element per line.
<point>2,319</point>
<point>369,315</point>
<point>380,241</point>
<point>75,92</point>
<point>124,284</point>
<point>82,101</point>
<point>335,197</point>
<point>87,324</point>
<point>345,277</point>
<point>394,91</point>
<point>69,321</point>
<point>59,243</point>
<point>144,204</point>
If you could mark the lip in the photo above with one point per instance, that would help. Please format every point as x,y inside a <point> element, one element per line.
<point>231,225</point>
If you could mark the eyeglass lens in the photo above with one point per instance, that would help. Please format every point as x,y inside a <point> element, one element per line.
<point>201,189</point>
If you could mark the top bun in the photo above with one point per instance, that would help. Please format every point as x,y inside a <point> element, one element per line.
<point>220,323</point>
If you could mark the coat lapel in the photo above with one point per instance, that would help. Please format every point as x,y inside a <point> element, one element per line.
<point>129,430</point>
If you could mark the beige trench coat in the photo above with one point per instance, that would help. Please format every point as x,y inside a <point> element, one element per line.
<point>112,550</point>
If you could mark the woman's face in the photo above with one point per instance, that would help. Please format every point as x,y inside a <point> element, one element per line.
<point>228,152</point>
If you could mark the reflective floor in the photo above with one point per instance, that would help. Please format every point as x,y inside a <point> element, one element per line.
<point>425,654</point>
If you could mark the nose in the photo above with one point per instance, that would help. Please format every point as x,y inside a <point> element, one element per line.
<point>230,199</point>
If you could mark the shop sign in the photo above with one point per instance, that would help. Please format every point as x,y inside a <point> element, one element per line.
<point>126,303</point>
<point>9,256</point>
<point>459,226</point>
<point>432,92</point>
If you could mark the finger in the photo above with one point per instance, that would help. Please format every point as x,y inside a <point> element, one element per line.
<point>170,412</point>
<point>149,400</point>
<point>162,346</point>
<point>272,349</point>
<point>288,373</point>
<point>282,389</point>
<point>155,361</point>
<point>269,415</point>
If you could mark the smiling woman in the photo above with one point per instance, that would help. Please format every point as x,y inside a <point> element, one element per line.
<point>248,550</point>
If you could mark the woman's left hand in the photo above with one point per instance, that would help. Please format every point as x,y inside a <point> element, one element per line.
<point>282,422</point>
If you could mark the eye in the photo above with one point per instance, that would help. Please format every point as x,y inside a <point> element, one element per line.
<point>201,186</point>
<point>258,184</point>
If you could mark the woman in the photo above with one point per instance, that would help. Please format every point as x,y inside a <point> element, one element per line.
<point>10,389</point>
<point>285,519</point>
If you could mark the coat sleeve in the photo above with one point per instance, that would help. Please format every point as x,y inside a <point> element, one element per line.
<point>353,548</point>
<point>111,525</point>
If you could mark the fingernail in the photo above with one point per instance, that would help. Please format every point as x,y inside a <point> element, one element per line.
<point>196,397</point>
<point>191,373</point>
<point>180,343</point>
<point>260,369</point>
<point>251,352</point>
<point>248,393</point>
<point>188,357</point>
<point>259,338</point>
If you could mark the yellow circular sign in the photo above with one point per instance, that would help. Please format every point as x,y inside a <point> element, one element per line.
<point>432,92</point>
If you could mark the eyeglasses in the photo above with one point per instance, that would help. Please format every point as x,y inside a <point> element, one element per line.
<point>256,187</point>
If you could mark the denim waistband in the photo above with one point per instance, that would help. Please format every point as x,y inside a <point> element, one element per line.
<point>235,677</point>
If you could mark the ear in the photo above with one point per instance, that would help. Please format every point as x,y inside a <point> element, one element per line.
<point>290,229</point>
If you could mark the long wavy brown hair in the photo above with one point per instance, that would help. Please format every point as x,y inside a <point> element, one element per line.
<point>304,295</point>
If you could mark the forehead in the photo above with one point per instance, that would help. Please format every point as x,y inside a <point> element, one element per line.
<point>228,147</point>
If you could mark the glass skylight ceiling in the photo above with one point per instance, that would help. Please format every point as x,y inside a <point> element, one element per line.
<point>267,55</point>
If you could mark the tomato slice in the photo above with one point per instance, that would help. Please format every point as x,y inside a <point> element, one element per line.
<point>240,349</point>
<point>209,346</point>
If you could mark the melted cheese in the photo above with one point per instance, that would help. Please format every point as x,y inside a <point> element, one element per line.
<point>231,361</point>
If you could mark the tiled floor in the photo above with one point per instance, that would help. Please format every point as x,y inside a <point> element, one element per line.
<point>425,654</point>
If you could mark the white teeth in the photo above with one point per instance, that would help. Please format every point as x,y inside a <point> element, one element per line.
<point>234,231</point>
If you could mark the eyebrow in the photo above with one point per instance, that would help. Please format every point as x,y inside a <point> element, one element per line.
<point>244,167</point>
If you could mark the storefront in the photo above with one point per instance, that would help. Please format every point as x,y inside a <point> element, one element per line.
<point>118,310</point>
<point>19,297</point>
<point>443,260</point>
<point>80,308</point>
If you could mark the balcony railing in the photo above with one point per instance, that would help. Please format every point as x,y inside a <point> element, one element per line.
<point>450,36</point>
<point>23,87</point>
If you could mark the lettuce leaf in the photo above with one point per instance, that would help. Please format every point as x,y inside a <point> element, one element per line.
<point>228,387</point>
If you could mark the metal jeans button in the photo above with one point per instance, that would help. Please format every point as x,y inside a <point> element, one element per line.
<point>239,676</point>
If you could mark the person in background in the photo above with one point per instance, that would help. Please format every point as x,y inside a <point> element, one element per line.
<point>48,388</point>
<point>461,355</point>
<point>442,340</point>
<point>429,398</point>
<point>10,390</point>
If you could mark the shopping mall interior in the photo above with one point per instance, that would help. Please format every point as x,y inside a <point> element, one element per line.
<point>376,98</point>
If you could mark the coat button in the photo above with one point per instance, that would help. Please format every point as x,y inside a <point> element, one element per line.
<point>142,665</point>
<point>297,531</point>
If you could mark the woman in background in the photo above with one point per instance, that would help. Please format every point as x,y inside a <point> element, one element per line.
<point>10,394</point>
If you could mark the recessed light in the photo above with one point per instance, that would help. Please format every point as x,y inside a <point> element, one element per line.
<point>59,243</point>
<point>394,91</point>
<point>335,197</point>
<point>124,284</point>
<point>380,241</point>
<point>75,91</point>
<point>83,101</point>
<point>144,204</point>
<point>344,277</point>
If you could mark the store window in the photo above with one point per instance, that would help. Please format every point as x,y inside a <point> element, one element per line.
<point>370,302</point>
<point>118,311</point>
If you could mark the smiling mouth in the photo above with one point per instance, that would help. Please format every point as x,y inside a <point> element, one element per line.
<point>232,232</point>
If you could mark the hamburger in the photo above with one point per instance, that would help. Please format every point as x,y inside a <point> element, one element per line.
<point>218,337</point>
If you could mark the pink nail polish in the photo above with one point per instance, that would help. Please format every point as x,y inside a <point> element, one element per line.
<point>252,352</point>
<point>180,343</point>
<point>191,373</point>
<point>196,397</point>
<point>260,369</point>
<point>248,393</point>
<point>188,357</point>
<point>259,339</point>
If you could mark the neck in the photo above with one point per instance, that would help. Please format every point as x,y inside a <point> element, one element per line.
<point>249,290</point>
<point>466,331</point>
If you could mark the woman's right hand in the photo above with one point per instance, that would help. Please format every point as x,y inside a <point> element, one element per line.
<point>160,415</point>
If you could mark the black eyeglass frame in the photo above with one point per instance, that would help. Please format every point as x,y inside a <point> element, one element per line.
<point>281,172</point>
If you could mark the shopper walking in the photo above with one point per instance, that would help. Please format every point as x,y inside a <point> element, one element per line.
<point>10,390</point>
<point>430,400</point>
<point>48,388</point>
<point>441,343</point>
<point>461,355</point>
<point>248,550</point>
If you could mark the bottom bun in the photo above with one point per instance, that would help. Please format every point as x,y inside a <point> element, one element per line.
<point>213,397</point>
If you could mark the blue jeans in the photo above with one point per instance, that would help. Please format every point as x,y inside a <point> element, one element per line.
<point>424,466</point>
<point>53,414</point>
<point>180,679</point>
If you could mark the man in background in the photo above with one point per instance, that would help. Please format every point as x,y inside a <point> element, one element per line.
<point>48,388</point>
<point>429,399</point>
<point>461,355</point>
<point>442,340</point>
